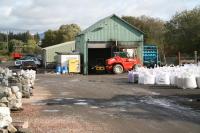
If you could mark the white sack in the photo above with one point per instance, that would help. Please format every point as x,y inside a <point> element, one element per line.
<point>190,82</point>
<point>149,79</point>
<point>163,79</point>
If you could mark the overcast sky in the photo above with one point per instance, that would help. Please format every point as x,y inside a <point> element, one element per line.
<point>40,15</point>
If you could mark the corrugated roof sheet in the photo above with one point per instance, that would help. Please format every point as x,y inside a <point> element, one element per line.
<point>90,28</point>
<point>58,45</point>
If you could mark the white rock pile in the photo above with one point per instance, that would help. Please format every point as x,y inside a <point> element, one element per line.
<point>25,80</point>
<point>14,86</point>
<point>5,118</point>
<point>6,121</point>
<point>185,77</point>
<point>10,97</point>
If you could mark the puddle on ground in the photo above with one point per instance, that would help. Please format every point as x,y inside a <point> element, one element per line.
<point>94,107</point>
<point>51,111</point>
<point>69,98</point>
<point>81,103</point>
<point>58,99</point>
<point>81,100</point>
<point>122,110</point>
<point>155,93</point>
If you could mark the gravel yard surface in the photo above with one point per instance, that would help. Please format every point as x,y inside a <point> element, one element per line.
<point>108,104</point>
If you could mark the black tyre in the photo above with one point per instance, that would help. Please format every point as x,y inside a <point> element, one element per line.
<point>118,69</point>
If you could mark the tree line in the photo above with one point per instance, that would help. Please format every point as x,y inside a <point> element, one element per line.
<point>64,33</point>
<point>180,33</point>
<point>19,42</point>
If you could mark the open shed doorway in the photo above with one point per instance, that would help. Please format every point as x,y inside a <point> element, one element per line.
<point>97,56</point>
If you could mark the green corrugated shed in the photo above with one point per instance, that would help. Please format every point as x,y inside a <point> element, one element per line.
<point>112,28</point>
<point>49,53</point>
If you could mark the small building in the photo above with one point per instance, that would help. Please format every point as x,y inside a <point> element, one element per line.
<point>50,53</point>
<point>111,34</point>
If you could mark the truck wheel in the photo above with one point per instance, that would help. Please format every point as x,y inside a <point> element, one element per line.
<point>118,69</point>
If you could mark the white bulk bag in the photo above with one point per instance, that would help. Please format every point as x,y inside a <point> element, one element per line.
<point>190,82</point>
<point>130,77</point>
<point>163,79</point>
<point>149,79</point>
<point>141,78</point>
<point>198,81</point>
<point>179,81</point>
<point>173,79</point>
<point>133,77</point>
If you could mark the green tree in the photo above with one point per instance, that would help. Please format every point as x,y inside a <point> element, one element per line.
<point>15,45</point>
<point>68,32</point>
<point>30,46</point>
<point>63,34</point>
<point>37,38</point>
<point>49,38</point>
<point>2,37</point>
<point>153,28</point>
<point>183,31</point>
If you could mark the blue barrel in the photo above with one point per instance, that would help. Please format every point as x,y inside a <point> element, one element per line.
<point>58,69</point>
<point>64,69</point>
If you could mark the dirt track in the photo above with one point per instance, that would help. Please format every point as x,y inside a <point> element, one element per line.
<point>108,104</point>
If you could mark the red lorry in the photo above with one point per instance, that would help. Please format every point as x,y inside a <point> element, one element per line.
<point>121,62</point>
<point>16,55</point>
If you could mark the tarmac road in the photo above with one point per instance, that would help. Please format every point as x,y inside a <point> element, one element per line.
<point>108,104</point>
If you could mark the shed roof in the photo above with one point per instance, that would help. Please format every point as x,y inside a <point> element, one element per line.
<point>59,45</point>
<point>109,17</point>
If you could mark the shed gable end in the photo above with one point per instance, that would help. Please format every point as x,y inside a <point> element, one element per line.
<point>111,29</point>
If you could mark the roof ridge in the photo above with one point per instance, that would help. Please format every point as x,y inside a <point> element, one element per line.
<point>84,31</point>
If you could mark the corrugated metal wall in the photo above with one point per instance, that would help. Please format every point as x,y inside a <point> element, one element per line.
<point>113,29</point>
<point>50,52</point>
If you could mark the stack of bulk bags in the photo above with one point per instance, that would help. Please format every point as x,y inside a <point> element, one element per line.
<point>186,77</point>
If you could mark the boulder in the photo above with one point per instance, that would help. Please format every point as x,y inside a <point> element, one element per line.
<point>5,119</point>
<point>11,129</point>
<point>15,89</point>
<point>4,100</point>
